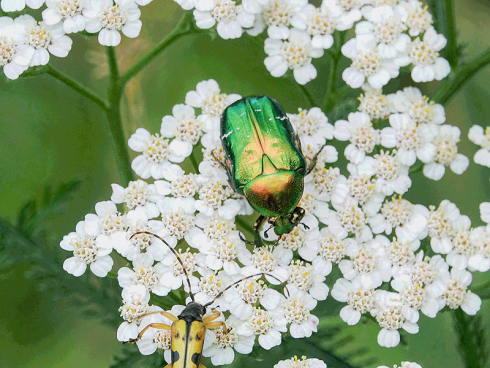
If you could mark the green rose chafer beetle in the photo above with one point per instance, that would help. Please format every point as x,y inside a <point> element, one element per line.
<point>264,162</point>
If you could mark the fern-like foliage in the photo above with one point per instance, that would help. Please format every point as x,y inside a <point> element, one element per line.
<point>472,340</point>
<point>26,241</point>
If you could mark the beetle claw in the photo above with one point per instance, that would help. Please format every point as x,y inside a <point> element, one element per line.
<point>305,226</point>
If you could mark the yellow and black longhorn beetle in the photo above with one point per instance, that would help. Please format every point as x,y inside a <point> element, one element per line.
<point>189,328</point>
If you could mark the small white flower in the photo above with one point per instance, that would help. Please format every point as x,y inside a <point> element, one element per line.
<point>367,64</point>
<point>304,276</point>
<point>231,18</point>
<point>135,299</point>
<point>209,286</point>
<point>264,260</point>
<point>295,53</point>
<point>294,362</point>
<point>456,294</point>
<point>416,16</point>
<point>264,324</point>
<point>417,106</point>
<point>312,127</point>
<point>479,256</point>
<point>207,96</point>
<point>360,299</point>
<point>446,153</point>
<point>348,219</point>
<point>482,138</point>
<point>221,253</point>
<point>185,127</point>
<point>18,5</point>
<point>318,23</point>
<point>463,246</point>
<point>15,55</point>
<point>278,15</point>
<point>174,276</point>
<point>403,365</point>
<point>86,251</point>
<point>137,194</point>
<point>43,38</point>
<point>107,220</point>
<point>68,12</point>
<point>214,196</point>
<point>347,12</point>
<point>143,273</point>
<point>185,4</point>
<point>439,225</point>
<point>222,351</point>
<point>410,140</point>
<point>296,310</point>
<point>108,17</point>
<point>374,103</point>
<point>359,130</point>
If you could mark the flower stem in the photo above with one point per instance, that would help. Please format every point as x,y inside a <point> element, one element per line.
<point>184,27</point>
<point>307,94</point>
<point>113,114</point>
<point>76,86</point>
<point>328,99</point>
<point>459,77</point>
<point>445,23</point>
<point>194,162</point>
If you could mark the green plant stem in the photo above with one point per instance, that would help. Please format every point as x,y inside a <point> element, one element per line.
<point>113,114</point>
<point>76,86</point>
<point>332,72</point>
<point>459,77</point>
<point>306,94</point>
<point>194,162</point>
<point>184,27</point>
<point>246,226</point>
<point>451,35</point>
<point>471,340</point>
<point>329,358</point>
<point>483,291</point>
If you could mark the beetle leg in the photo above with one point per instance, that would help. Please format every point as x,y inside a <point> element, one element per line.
<point>224,166</point>
<point>244,240</point>
<point>161,326</point>
<point>312,164</point>
<point>170,316</point>
<point>168,366</point>
<point>200,366</point>
<point>216,325</point>
<point>211,317</point>
<point>258,224</point>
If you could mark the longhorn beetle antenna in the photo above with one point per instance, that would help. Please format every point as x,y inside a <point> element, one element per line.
<point>175,254</point>
<point>248,277</point>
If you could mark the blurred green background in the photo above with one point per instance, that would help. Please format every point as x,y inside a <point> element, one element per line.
<point>51,135</point>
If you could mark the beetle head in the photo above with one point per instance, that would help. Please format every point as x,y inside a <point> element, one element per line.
<point>275,194</point>
<point>193,312</point>
<point>284,224</point>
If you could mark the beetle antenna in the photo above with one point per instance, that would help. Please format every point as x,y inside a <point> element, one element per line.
<point>248,277</point>
<point>175,254</point>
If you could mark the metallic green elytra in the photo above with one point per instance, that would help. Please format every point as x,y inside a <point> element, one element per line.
<point>264,161</point>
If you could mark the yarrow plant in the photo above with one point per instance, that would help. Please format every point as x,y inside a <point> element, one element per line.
<point>174,234</point>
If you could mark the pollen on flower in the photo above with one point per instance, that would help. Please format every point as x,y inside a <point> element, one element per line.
<point>224,339</point>
<point>365,261</point>
<point>462,244</point>
<point>7,50</point>
<point>112,222</point>
<point>352,219</point>
<point>178,223</point>
<point>400,253</point>
<point>296,54</point>
<point>67,9</point>
<point>85,249</point>
<point>210,153</point>
<point>294,239</point>
<point>226,249</point>
<point>367,63</point>
<point>304,123</point>
<point>485,141</point>
<point>218,229</point>
<point>446,149</point>
<point>349,4</point>
<point>214,193</point>
<point>136,194</point>
<point>386,166</point>
<point>211,285</point>
<point>215,104</point>
<point>375,104</point>
<point>141,241</point>
<point>325,179</point>
<point>251,290</point>
<point>391,317</point>
<point>184,187</point>
<point>156,149</point>
<point>419,19</point>
<point>308,202</point>
<point>301,275</point>
<point>423,273</point>
<point>377,3</point>
<point>388,32</point>
<point>409,139</point>
<point>361,300</point>
<point>397,212</point>
<point>189,261</point>
<point>224,10</point>
<point>360,187</point>
<point>278,13</point>
<point>294,362</point>
<point>455,294</point>
<point>260,321</point>
<point>332,249</point>
<point>134,310</point>
<point>162,339</point>
<point>321,24</point>
<point>438,224</point>
<point>295,310</point>
<point>113,17</point>
<point>38,37</point>
<point>189,130</point>
<point>263,259</point>
<point>421,53</point>
<point>421,111</point>
<point>145,276</point>
<point>365,138</point>
<point>413,296</point>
